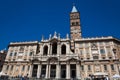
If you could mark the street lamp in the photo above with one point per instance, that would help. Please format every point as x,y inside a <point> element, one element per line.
<point>116,59</point>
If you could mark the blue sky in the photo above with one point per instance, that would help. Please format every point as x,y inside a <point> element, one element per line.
<point>28,20</point>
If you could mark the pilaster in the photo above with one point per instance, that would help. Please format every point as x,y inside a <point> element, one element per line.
<point>58,71</point>
<point>46,75</point>
<point>68,71</point>
<point>78,70</point>
<point>39,71</point>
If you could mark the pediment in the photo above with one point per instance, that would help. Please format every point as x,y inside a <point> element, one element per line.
<point>72,59</point>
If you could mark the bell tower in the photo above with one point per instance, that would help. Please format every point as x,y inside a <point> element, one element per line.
<point>75,28</point>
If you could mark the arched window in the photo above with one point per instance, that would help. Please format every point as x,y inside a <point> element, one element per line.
<point>54,48</point>
<point>63,49</point>
<point>45,50</point>
<point>77,23</point>
<point>73,23</point>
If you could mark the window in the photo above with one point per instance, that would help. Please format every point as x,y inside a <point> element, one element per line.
<point>89,68</point>
<point>88,58</point>
<point>107,43</point>
<point>11,54</point>
<point>45,51</point>
<point>43,70</point>
<point>87,45</point>
<point>81,52</point>
<point>87,51</point>
<point>103,57</point>
<point>30,54</point>
<point>54,48</point>
<point>101,43</point>
<point>81,58</point>
<point>82,67</point>
<point>110,57</point>
<point>112,67</point>
<point>105,67</point>
<point>81,45</point>
<point>23,68</point>
<point>102,51</point>
<point>63,49</point>
<point>77,23</point>
<point>21,48</point>
<point>73,23</point>
<point>95,57</point>
<point>108,50</point>
<point>15,54</point>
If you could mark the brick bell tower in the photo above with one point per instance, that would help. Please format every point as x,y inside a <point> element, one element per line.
<point>75,28</point>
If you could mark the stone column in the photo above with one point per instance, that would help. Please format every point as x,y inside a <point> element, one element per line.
<point>4,68</point>
<point>30,71</point>
<point>68,71</point>
<point>49,67</point>
<point>39,71</point>
<point>8,72</point>
<point>47,72</point>
<point>58,71</point>
<point>78,70</point>
<point>58,48</point>
<point>25,72</point>
<point>49,49</point>
<point>20,70</point>
<point>13,70</point>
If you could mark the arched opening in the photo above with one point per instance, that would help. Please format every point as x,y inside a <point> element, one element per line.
<point>54,48</point>
<point>63,49</point>
<point>45,51</point>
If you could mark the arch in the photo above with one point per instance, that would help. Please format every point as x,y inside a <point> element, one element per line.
<point>63,49</point>
<point>54,48</point>
<point>45,50</point>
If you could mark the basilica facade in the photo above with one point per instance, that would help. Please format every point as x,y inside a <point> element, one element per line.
<point>69,57</point>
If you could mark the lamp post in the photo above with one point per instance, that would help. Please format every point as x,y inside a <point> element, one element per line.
<point>116,60</point>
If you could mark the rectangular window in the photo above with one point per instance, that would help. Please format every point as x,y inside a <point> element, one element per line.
<point>105,67</point>
<point>30,54</point>
<point>81,52</point>
<point>43,71</point>
<point>102,51</point>
<point>108,50</point>
<point>112,67</point>
<point>101,43</point>
<point>95,57</point>
<point>87,51</point>
<point>89,68</point>
<point>87,45</point>
<point>81,45</point>
<point>23,68</point>
<point>82,67</point>
<point>15,53</point>
<point>11,54</point>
